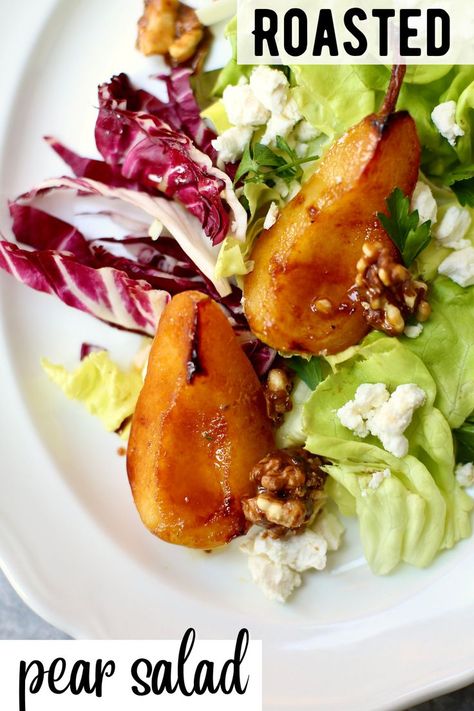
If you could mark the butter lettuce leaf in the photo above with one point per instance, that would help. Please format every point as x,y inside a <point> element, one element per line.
<point>234,255</point>
<point>420,509</point>
<point>446,347</point>
<point>232,71</point>
<point>334,98</point>
<point>104,389</point>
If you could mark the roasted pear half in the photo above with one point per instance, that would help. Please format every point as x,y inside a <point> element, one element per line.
<point>296,298</point>
<point>199,427</point>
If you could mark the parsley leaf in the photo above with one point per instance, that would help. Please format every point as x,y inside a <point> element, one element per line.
<point>461,182</point>
<point>403,226</point>
<point>310,371</point>
<point>261,164</point>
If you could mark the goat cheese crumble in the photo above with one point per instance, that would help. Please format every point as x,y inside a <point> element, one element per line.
<point>271,217</point>
<point>231,144</point>
<point>376,479</point>
<point>413,331</point>
<point>453,228</point>
<point>444,118</point>
<point>276,564</point>
<point>423,201</point>
<point>271,86</point>
<point>263,100</point>
<point>374,411</point>
<point>459,266</point>
<point>242,107</point>
<point>465,474</point>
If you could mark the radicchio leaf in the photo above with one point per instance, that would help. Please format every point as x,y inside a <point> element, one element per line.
<point>153,152</point>
<point>162,264</point>
<point>88,348</point>
<point>180,112</point>
<point>90,167</point>
<point>177,221</point>
<point>181,98</point>
<point>108,294</point>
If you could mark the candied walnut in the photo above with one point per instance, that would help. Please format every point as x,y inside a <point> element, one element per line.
<point>188,35</point>
<point>290,485</point>
<point>387,291</point>
<point>184,47</point>
<point>157,26</point>
<point>277,394</point>
<point>171,28</point>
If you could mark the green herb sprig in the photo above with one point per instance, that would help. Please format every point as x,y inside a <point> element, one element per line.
<point>461,182</point>
<point>403,227</point>
<point>464,438</point>
<point>310,371</point>
<point>261,164</point>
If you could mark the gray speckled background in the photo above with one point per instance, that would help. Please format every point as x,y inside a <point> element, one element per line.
<point>17,621</point>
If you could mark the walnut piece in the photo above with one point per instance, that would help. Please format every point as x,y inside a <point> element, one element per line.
<point>188,34</point>
<point>290,485</point>
<point>171,28</point>
<point>387,291</point>
<point>157,26</point>
<point>277,394</point>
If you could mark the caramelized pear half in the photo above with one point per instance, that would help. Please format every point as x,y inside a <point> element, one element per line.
<point>199,428</point>
<point>296,297</point>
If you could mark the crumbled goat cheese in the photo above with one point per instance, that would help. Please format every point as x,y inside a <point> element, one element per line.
<point>305,132</point>
<point>271,216</point>
<point>277,582</point>
<point>300,552</point>
<point>355,413</point>
<point>374,482</point>
<point>384,416</point>
<point>465,474</point>
<point>271,86</point>
<point>276,565</point>
<point>459,266</point>
<point>394,416</point>
<point>424,202</point>
<point>444,118</point>
<point>413,331</point>
<point>453,227</point>
<point>242,106</point>
<point>278,125</point>
<point>231,144</point>
<point>377,478</point>
<point>264,100</point>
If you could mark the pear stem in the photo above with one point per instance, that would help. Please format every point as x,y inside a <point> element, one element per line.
<point>396,81</point>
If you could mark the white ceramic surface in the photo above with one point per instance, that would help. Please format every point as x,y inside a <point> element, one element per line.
<point>70,538</point>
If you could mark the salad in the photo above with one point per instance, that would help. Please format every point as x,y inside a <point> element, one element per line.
<point>298,254</point>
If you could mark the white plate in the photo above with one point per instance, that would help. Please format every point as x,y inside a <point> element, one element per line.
<point>70,538</point>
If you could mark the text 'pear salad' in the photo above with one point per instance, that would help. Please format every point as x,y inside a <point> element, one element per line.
<point>298,242</point>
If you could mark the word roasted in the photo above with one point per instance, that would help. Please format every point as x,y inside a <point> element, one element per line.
<point>297,39</point>
<point>347,32</point>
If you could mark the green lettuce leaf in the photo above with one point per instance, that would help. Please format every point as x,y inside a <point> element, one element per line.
<point>104,389</point>
<point>427,263</point>
<point>291,433</point>
<point>446,347</point>
<point>420,509</point>
<point>333,98</point>
<point>232,71</point>
<point>233,258</point>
